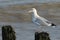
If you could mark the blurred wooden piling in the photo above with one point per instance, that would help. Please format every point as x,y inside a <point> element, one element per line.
<point>8,33</point>
<point>42,36</point>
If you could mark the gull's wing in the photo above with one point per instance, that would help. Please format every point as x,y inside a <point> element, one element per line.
<point>42,18</point>
<point>39,22</point>
<point>45,20</point>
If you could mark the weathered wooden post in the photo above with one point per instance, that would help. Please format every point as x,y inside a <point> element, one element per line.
<point>41,36</point>
<point>8,33</point>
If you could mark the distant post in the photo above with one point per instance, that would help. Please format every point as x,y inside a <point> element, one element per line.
<point>42,36</point>
<point>8,33</point>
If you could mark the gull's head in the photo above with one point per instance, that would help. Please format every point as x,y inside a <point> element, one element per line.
<point>32,10</point>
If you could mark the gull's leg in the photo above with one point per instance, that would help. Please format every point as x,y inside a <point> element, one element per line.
<point>36,22</point>
<point>53,26</point>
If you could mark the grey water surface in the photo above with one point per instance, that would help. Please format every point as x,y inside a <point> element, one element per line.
<point>26,30</point>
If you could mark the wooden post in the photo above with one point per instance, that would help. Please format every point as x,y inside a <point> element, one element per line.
<point>8,33</point>
<point>41,36</point>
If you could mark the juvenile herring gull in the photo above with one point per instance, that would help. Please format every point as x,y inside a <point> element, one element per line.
<point>38,19</point>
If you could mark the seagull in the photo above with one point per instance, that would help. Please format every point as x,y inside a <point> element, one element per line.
<point>38,19</point>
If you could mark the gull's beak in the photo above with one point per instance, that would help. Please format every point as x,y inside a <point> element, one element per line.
<point>30,11</point>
